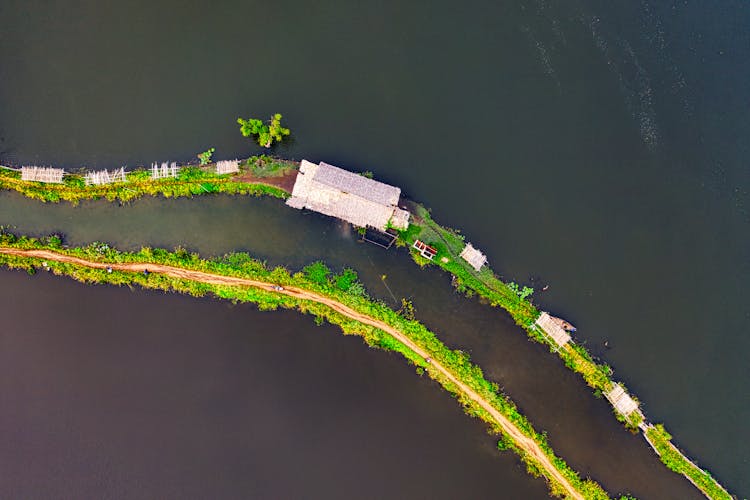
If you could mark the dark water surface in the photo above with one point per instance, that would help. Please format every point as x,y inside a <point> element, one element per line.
<point>581,427</point>
<point>163,396</point>
<point>599,149</point>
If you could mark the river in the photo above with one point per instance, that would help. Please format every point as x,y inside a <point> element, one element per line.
<point>598,150</point>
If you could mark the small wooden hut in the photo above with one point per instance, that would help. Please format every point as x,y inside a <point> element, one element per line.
<point>352,197</point>
<point>42,174</point>
<point>621,400</point>
<point>227,167</point>
<point>553,329</point>
<point>474,257</point>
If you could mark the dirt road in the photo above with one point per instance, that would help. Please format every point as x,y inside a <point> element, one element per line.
<point>521,440</point>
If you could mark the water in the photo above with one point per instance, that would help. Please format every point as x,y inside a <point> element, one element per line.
<point>600,150</point>
<point>585,432</point>
<point>164,396</point>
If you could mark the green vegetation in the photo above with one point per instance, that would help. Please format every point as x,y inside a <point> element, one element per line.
<point>268,166</point>
<point>514,300</point>
<point>342,287</point>
<point>509,296</point>
<point>317,272</point>
<point>449,243</point>
<point>190,181</point>
<point>265,134</point>
<point>676,461</point>
<point>524,292</point>
<point>205,157</point>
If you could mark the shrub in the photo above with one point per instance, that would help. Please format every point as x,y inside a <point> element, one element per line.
<point>264,134</point>
<point>317,272</point>
<point>346,279</point>
<point>205,157</point>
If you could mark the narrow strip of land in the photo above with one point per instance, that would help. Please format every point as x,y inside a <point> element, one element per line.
<point>520,439</point>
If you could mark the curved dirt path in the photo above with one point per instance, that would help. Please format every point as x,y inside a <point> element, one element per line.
<point>520,439</point>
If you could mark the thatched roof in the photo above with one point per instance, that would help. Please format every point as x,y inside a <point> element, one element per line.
<point>473,256</point>
<point>553,329</point>
<point>621,400</point>
<point>358,185</point>
<point>339,193</point>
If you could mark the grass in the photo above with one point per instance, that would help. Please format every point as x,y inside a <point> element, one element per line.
<point>486,284</point>
<point>315,278</point>
<point>677,462</point>
<point>193,181</point>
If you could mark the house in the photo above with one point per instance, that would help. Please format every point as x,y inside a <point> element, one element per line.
<point>474,257</point>
<point>621,400</point>
<point>349,196</point>
<point>425,250</point>
<point>553,329</point>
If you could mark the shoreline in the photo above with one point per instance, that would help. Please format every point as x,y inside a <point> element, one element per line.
<point>428,354</point>
<point>485,283</point>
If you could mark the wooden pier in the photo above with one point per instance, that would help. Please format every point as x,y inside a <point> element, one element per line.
<point>380,238</point>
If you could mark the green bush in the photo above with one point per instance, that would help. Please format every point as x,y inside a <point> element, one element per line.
<point>345,279</point>
<point>265,134</point>
<point>317,272</point>
<point>205,157</point>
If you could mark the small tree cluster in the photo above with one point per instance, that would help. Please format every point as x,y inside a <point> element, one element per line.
<point>346,281</point>
<point>521,292</point>
<point>264,133</point>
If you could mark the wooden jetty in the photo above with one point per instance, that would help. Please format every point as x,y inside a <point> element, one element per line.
<point>384,239</point>
<point>42,174</point>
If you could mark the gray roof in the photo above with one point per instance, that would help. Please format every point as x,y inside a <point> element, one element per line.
<point>349,182</point>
